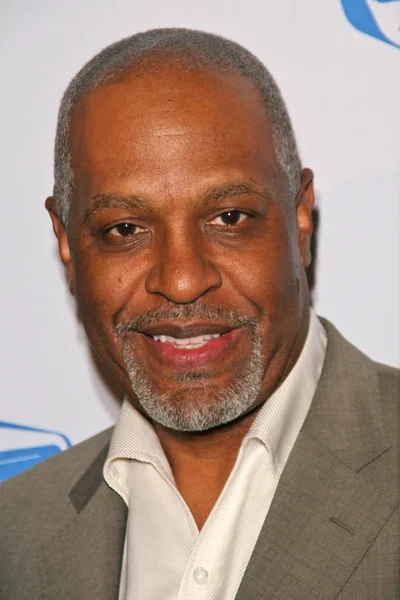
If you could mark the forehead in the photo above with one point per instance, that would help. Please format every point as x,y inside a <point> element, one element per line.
<point>169,126</point>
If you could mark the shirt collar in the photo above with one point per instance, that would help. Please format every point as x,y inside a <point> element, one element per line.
<point>133,438</point>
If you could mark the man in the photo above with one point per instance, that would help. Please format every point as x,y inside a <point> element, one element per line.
<point>256,454</point>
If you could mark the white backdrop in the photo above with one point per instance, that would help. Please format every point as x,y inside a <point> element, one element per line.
<point>342,87</point>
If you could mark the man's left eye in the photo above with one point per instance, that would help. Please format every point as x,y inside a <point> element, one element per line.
<point>230,218</point>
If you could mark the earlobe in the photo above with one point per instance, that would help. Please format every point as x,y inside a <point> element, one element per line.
<point>63,244</point>
<point>305,204</point>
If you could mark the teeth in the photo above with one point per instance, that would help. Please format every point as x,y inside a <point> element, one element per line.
<point>188,343</point>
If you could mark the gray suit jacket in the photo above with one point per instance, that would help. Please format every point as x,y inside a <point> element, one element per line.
<point>332,530</point>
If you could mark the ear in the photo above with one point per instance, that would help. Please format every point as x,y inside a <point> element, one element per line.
<point>63,244</point>
<point>304,206</point>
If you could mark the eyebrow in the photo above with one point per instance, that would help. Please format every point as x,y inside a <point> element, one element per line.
<point>217,193</point>
<point>104,201</point>
<point>211,196</point>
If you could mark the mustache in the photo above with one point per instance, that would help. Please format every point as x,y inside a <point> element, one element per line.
<point>184,312</point>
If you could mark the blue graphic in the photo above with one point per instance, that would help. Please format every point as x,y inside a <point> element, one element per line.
<point>378,18</point>
<point>23,447</point>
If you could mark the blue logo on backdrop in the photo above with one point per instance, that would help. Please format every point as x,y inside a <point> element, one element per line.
<point>23,447</point>
<point>379,18</point>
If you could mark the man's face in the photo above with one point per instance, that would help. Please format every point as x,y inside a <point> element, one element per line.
<point>185,258</point>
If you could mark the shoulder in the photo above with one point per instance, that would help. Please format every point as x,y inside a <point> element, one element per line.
<point>389,378</point>
<point>343,351</point>
<point>389,385</point>
<point>34,506</point>
<point>363,376</point>
<point>49,483</point>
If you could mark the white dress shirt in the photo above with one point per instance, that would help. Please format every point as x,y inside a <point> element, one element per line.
<point>165,556</point>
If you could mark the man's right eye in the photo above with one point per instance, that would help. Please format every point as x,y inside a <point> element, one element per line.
<point>122,231</point>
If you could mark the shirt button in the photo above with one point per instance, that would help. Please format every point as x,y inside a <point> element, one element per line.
<point>200,575</point>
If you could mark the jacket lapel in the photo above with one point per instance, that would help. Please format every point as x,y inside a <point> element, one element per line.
<point>83,559</point>
<point>325,514</point>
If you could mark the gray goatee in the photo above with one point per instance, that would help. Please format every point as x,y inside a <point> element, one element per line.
<point>195,405</point>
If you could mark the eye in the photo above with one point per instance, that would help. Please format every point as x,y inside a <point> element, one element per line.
<point>230,218</point>
<point>124,229</point>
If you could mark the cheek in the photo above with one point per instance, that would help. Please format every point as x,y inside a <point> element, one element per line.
<point>266,273</point>
<point>103,286</point>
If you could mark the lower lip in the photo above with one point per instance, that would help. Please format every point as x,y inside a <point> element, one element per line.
<point>206,355</point>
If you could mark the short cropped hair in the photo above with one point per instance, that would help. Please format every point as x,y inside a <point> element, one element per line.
<point>188,49</point>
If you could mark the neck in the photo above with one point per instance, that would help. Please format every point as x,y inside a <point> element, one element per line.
<point>212,446</point>
<point>202,462</point>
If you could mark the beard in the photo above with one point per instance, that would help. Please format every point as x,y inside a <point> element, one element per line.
<point>195,405</point>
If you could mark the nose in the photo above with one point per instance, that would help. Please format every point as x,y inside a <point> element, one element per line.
<point>182,271</point>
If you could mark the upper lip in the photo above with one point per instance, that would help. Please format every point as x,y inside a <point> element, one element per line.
<point>185,330</point>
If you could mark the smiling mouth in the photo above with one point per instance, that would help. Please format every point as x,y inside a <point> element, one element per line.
<point>194,346</point>
<point>189,343</point>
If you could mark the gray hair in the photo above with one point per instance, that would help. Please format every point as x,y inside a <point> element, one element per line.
<point>188,49</point>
